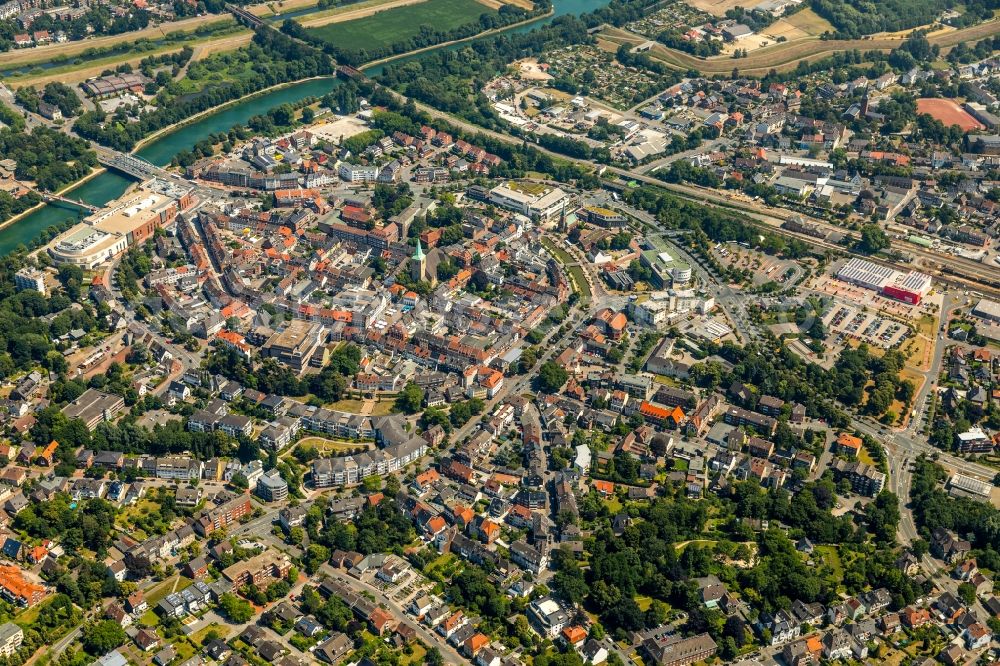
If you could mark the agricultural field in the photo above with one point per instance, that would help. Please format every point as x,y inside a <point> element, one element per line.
<point>716,7</point>
<point>388,27</point>
<point>805,23</point>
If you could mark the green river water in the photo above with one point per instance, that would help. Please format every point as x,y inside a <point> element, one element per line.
<point>110,185</point>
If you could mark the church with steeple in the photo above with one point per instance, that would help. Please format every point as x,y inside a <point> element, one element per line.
<point>423,267</point>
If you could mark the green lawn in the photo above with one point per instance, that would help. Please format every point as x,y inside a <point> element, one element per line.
<point>575,272</point>
<point>165,588</point>
<point>560,254</point>
<point>198,638</point>
<point>30,615</point>
<point>580,282</point>
<point>400,24</point>
<point>417,657</point>
<point>149,618</point>
<point>830,556</point>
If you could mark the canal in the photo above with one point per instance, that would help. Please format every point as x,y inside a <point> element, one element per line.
<point>110,185</point>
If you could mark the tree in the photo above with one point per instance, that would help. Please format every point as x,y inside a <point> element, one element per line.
<point>410,399</point>
<point>873,239</point>
<point>967,591</point>
<point>103,637</point>
<point>239,481</point>
<point>237,610</point>
<point>551,377</point>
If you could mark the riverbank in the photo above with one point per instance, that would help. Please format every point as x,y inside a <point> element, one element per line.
<point>94,173</point>
<point>786,56</point>
<point>68,71</point>
<point>170,129</point>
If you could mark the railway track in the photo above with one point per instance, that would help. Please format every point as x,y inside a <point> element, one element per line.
<point>958,272</point>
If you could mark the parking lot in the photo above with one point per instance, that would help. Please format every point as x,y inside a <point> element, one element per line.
<point>848,321</point>
<point>763,268</point>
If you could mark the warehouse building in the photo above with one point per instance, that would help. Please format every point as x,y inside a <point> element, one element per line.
<point>909,287</point>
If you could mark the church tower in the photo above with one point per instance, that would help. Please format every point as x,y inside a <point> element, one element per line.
<point>418,264</point>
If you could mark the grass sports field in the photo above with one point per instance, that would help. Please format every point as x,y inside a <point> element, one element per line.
<point>401,23</point>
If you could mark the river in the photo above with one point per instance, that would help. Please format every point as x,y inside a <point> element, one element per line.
<point>110,185</point>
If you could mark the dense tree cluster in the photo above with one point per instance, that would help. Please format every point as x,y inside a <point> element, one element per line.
<point>669,544</point>
<point>127,437</point>
<point>442,79</point>
<point>102,637</point>
<point>391,200</point>
<point>377,529</point>
<point>332,613</point>
<point>551,377</point>
<point>26,337</point>
<point>682,171</point>
<point>56,617</point>
<point>237,610</point>
<point>674,38</point>
<point>270,376</point>
<point>50,158</point>
<point>856,18</point>
<point>472,589</point>
<point>55,93</point>
<point>785,375</point>
<point>90,525</point>
<point>710,224</point>
<point>965,53</point>
<point>933,508</point>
